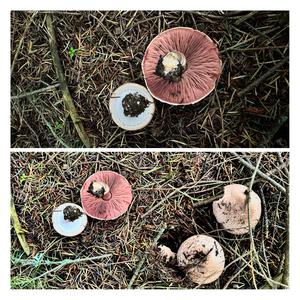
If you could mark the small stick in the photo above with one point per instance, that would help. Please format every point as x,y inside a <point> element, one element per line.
<point>263,77</point>
<point>286,267</point>
<point>207,201</point>
<point>18,228</point>
<point>248,199</point>
<point>42,90</point>
<point>252,245</point>
<point>286,171</point>
<point>160,202</point>
<point>263,200</point>
<point>70,106</point>
<point>48,125</point>
<point>21,42</point>
<point>70,261</point>
<point>142,261</point>
<point>261,174</point>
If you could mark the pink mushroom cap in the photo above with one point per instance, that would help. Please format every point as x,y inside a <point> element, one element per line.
<point>231,211</point>
<point>202,257</point>
<point>111,205</point>
<point>203,66</point>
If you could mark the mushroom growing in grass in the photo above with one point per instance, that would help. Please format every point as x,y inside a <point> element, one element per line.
<point>181,66</point>
<point>202,257</point>
<point>131,106</point>
<point>231,211</point>
<point>69,219</point>
<point>106,195</point>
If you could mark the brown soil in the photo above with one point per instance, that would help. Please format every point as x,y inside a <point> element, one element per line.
<point>172,76</point>
<point>71,213</point>
<point>134,104</point>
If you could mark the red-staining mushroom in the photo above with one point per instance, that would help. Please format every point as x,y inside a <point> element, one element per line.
<point>106,195</point>
<point>202,257</point>
<point>181,66</point>
<point>231,211</point>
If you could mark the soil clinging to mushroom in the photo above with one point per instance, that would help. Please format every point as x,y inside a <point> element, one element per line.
<point>172,76</point>
<point>71,213</point>
<point>97,193</point>
<point>134,104</point>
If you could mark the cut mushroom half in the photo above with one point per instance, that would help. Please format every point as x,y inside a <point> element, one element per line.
<point>131,106</point>
<point>202,258</point>
<point>69,219</point>
<point>231,211</point>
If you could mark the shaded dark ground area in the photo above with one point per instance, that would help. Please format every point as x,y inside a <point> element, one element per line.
<point>102,50</point>
<point>42,181</point>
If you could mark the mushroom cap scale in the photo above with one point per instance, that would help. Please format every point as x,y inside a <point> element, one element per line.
<point>66,227</point>
<point>202,257</point>
<point>202,71</point>
<point>117,110</point>
<point>231,211</point>
<point>113,204</point>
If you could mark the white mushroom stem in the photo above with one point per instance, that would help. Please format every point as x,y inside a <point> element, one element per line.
<point>99,188</point>
<point>166,253</point>
<point>171,60</point>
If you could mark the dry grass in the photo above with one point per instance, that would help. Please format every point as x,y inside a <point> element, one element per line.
<point>109,48</point>
<point>177,181</point>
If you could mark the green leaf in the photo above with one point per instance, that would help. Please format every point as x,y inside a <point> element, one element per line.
<point>72,52</point>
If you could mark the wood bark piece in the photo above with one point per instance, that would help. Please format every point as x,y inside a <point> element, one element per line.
<point>18,228</point>
<point>69,103</point>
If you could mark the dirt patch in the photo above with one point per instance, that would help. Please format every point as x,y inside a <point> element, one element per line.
<point>71,213</point>
<point>172,76</point>
<point>134,104</point>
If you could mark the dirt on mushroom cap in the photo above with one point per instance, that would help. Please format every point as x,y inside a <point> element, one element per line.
<point>231,211</point>
<point>71,213</point>
<point>202,257</point>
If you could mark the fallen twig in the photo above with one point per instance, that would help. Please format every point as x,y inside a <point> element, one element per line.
<point>70,106</point>
<point>21,42</point>
<point>71,261</point>
<point>207,201</point>
<point>263,77</point>
<point>261,174</point>
<point>142,261</point>
<point>45,89</point>
<point>18,228</point>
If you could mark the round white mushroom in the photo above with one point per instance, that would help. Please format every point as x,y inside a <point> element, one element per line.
<point>202,258</point>
<point>69,219</point>
<point>232,212</point>
<point>124,114</point>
